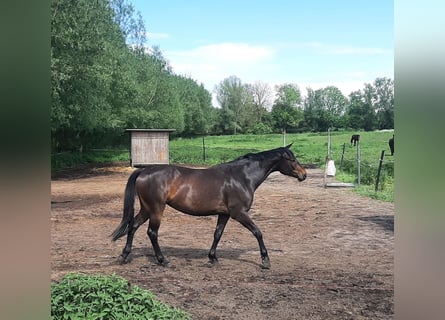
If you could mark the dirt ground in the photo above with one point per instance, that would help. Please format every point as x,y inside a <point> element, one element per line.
<point>331,250</point>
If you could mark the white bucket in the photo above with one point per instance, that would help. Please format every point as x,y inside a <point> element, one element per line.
<point>331,168</point>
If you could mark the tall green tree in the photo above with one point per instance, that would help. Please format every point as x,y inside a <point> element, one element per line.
<point>360,113</point>
<point>384,102</point>
<point>130,23</point>
<point>324,108</point>
<point>369,107</point>
<point>311,111</point>
<point>195,101</point>
<point>373,107</point>
<point>286,110</point>
<point>104,80</point>
<point>85,43</point>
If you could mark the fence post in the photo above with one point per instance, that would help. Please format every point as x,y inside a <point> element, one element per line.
<point>379,170</point>
<point>342,156</point>
<point>203,150</point>
<point>358,162</point>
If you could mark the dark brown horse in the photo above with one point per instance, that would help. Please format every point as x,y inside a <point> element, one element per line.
<point>391,144</point>
<point>355,138</point>
<point>225,190</point>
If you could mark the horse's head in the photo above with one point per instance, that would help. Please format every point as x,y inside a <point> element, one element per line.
<point>289,165</point>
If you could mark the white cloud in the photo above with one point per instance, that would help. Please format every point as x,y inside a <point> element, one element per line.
<point>210,64</point>
<point>228,52</point>
<point>278,64</point>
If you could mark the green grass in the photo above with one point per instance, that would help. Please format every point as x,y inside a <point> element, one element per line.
<point>71,160</point>
<point>81,296</point>
<point>309,148</point>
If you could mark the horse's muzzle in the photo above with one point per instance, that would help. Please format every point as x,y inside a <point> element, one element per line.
<point>301,176</point>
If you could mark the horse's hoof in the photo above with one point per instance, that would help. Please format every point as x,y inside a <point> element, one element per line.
<point>265,264</point>
<point>163,262</point>
<point>213,259</point>
<point>213,262</point>
<point>122,260</point>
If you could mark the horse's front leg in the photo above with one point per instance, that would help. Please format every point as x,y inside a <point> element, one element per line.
<point>220,225</point>
<point>247,222</point>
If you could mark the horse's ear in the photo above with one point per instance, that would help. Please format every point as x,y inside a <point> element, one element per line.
<point>289,145</point>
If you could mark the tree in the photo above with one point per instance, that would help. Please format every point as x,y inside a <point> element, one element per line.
<point>355,112</point>
<point>130,22</point>
<point>85,43</point>
<point>334,102</point>
<point>196,102</point>
<point>235,102</point>
<point>368,107</point>
<point>384,102</point>
<point>324,108</point>
<point>103,80</point>
<point>360,113</point>
<point>261,99</point>
<point>286,111</point>
<point>311,111</point>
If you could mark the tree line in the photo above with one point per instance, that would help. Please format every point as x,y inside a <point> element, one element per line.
<point>105,79</point>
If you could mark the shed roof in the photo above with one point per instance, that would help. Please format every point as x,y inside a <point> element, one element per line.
<point>151,130</point>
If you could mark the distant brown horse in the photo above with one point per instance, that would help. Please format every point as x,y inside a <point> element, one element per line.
<point>355,138</point>
<point>225,190</point>
<point>391,144</point>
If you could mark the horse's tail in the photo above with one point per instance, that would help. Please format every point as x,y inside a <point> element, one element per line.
<point>128,217</point>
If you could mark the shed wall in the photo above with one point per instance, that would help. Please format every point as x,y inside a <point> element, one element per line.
<point>149,148</point>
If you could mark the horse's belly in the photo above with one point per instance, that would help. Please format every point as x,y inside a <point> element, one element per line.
<point>198,205</point>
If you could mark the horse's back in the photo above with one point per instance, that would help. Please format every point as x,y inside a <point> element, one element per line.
<point>198,191</point>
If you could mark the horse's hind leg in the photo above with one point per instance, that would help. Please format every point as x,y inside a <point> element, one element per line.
<point>152,232</point>
<point>140,218</point>
<point>220,225</point>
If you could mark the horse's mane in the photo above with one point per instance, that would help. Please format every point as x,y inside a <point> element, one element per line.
<point>261,155</point>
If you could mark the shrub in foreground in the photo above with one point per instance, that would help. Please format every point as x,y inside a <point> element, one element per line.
<point>81,296</point>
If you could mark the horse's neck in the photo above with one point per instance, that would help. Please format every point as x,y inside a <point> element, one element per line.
<point>260,170</point>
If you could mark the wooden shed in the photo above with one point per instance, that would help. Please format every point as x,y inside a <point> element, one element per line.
<point>149,146</point>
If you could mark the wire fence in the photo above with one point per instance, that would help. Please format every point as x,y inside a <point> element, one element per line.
<point>376,172</point>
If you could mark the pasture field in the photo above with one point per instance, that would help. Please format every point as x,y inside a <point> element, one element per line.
<point>310,149</point>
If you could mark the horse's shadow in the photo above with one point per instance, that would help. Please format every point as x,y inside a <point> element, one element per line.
<point>387,222</point>
<point>189,254</point>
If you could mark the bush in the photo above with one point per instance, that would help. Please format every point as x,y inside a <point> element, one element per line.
<point>368,174</point>
<point>261,128</point>
<point>81,296</point>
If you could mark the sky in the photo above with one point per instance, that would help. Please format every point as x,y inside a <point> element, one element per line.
<point>318,43</point>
